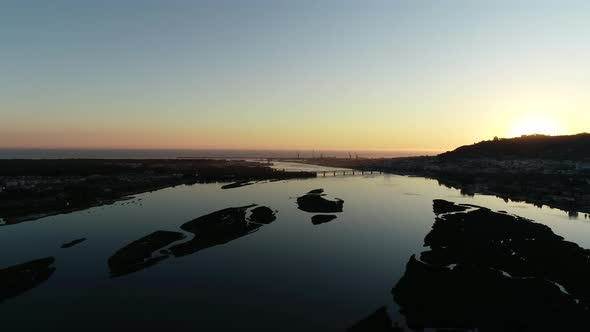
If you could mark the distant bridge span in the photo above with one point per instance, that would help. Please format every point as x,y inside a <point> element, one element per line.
<point>348,172</point>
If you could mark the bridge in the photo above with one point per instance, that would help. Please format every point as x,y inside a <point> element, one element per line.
<point>343,172</point>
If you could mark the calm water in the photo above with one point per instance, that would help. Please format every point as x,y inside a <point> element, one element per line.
<point>291,275</point>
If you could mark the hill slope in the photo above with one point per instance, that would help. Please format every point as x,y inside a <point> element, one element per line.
<point>571,147</point>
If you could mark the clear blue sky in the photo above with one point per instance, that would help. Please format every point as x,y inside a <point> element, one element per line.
<point>290,74</point>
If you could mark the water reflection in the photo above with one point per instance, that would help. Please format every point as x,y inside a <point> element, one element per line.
<point>291,270</point>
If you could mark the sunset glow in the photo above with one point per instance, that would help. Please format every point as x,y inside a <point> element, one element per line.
<point>536,125</point>
<point>270,75</point>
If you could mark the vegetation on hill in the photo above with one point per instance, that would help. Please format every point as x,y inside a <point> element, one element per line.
<point>570,147</point>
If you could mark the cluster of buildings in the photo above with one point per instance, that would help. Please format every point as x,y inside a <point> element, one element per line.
<point>490,166</point>
<point>564,184</point>
<point>29,183</point>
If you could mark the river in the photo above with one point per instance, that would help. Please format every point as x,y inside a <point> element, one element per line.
<point>290,275</point>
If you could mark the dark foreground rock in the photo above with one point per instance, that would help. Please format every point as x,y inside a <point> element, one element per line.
<point>495,272</point>
<point>314,202</point>
<point>378,321</point>
<point>72,243</point>
<point>322,218</point>
<point>141,253</point>
<point>17,279</point>
<point>209,230</point>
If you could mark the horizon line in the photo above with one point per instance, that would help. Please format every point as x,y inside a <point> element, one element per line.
<point>218,149</point>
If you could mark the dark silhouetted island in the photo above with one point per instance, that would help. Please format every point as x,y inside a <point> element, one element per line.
<point>142,253</point>
<point>18,279</point>
<point>213,229</point>
<point>72,243</point>
<point>319,219</point>
<point>221,227</point>
<point>314,201</point>
<point>492,271</point>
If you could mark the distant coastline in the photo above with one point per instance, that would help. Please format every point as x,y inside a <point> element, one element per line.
<point>40,153</point>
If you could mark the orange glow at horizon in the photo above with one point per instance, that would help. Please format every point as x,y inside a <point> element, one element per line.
<point>210,139</point>
<point>385,136</point>
<point>291,76</point>
<point>536,124</point>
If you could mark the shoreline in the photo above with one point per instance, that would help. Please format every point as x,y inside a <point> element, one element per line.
<point>538,182</point>
<point>34,189</point>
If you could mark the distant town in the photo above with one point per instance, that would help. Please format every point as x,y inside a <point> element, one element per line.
<point>539,169</point>
<point>543,170</point>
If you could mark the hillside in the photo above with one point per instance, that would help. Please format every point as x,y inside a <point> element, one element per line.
<point>571,147</point>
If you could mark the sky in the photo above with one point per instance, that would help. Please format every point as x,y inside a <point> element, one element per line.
<point>339,75</point>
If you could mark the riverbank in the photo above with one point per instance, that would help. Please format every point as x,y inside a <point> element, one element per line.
<point>33,189</point>
<point>564,185</point>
